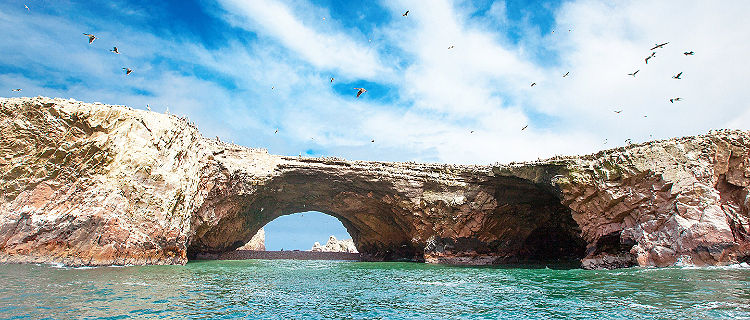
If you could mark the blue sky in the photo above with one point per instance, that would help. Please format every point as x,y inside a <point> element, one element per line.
<point>216,62</point>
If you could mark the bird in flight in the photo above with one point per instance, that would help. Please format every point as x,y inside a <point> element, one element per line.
<point>275,132</point>
<point>605,141</point>
<point>533,84</point>
<point>272,87</point>
<point>657,46</point>
<point>360,91</point>
<point>332,79</point>
<point>472,131</point>
<point>566,74</point>
<point>148,107</point>
<point>114,49</point>
<point>451,47</point>
<point>653,54</point>
<point>373,140</point>
<point>16,90</point>
<point>690,53</point>
<point>636,71</point>
<point>91,37</point>
<point>618,111</point>
<point>27,8</point>
<point>524,127</point>
<point>675,99</point>
<point>406,13</point>
<point>677,76</point>
<point>128,71</point>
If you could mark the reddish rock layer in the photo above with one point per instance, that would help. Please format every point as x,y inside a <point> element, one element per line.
<point>90,184</point>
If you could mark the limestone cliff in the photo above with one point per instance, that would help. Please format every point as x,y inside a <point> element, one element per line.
<point>92,184</point>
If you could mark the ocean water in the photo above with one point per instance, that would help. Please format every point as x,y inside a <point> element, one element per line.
<point>288,289</point>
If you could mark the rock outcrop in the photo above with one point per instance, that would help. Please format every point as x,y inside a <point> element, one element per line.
<point>335,245</point>
<point>257,242</point>
<point>92,184</point>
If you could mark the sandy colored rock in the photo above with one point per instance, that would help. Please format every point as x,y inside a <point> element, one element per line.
<point>335,245</point>
<point>93,184</point>
<point>257,242</point>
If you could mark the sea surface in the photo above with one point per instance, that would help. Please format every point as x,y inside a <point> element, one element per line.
<point>289,289</point>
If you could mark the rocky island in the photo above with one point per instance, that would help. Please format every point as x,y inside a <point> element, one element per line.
<point>93,184</point>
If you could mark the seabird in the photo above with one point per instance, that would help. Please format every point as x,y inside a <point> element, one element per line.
<point>618,111</point>
<point>331,79</point>
<point>275,132</point>
<point>688,53</point>
<point>406,13</point>
<point>148,107</point>
<point>114,49</point>
<point>16,90</point>
<point>472,131</point>
<point>675,99</point>
<point>653,54</point>
<point>605,141</point>
<point>566,74</point>
<point>360,91</point>
<point>524,127</point>
<point>373,140</point>
<point>91,37</point>
<point>657,46</point>
<point>273,87</point>
<point>127,71</point>
<point>451,47</point>
<point>633,74</point>
<point>677,76</point>
<point>27,8</point>
<point>533,84</point>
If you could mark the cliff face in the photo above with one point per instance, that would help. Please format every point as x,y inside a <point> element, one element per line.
<point>256,243</point>
<point>90,184</point>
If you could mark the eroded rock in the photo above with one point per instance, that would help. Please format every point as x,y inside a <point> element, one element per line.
<point>92,184</point>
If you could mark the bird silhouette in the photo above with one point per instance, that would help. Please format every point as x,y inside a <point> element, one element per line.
<point>114,49</point>
<point>472,131</point>
<point>373,140</point>
<point>272,87</point>
<point>533,84</point>
<point>677,76</point>
<point>675,99</point>
<point>275,132</point>
<point>605,141</point>
<point>634,73</point>
<point>566,74</point>
<point>618,111</point>
<point>657,46</point>
<point>524,127</point>
<point>27,8</point>
<point>91,37</point>
<point>406,13</point>
<point>690,53</point>
<point>360,91</point>
<point>451,47</point>
<point>128,71</point>
<point>653,54</point>
<point>148,107</point>
<point>16,90</point>
<point>332,79</point>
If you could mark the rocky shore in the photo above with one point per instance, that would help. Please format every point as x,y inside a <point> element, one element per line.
<point>93,184</point>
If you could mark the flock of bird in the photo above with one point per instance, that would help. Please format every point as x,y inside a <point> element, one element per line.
<point>360,91</point>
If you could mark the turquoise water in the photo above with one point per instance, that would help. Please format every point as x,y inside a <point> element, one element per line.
<point>287,289</point>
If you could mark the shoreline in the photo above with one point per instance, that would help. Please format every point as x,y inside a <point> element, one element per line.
<point>278,255</point>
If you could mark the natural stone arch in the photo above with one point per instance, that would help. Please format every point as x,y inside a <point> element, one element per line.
<point>442,214</point>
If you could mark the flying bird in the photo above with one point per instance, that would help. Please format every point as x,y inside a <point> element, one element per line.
<point>653,54</point>
<point>114,49</point>
<point>605,141</point>
<point>91,37</point>
<point>373,140</point>
<point>16,90</point>
<point>406,13</point>
<point>636,71</point>
<point>524,127</point>
<point>533,84</point>
<point>618,111</point>
<point>657,46</point>
<point>451,47</point>
<point>148,107</point>
<point>472,131</point>
<point>27,8</point>
<point>675,99</point>
<point>677,76</point>
<point>128,71</point>
<point>331,79</point>
<point>360,91</point>
<point>272,87</point>
<point>566,74</point>
<point>688,53</point>
<point>275,132</point>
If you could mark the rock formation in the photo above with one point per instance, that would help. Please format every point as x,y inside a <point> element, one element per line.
<point>92,184</point>
<point>257,242</point>
<point>335,245</point>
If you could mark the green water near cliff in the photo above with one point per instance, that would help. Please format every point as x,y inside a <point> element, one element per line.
<point>287,289</point>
